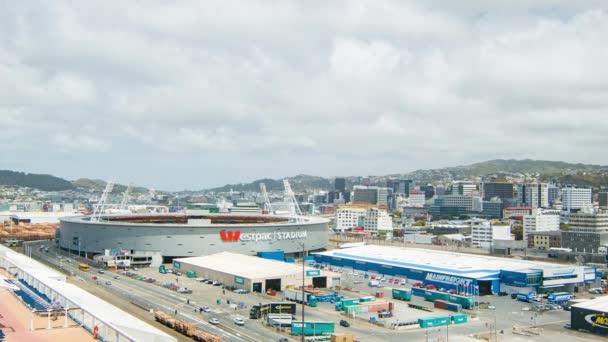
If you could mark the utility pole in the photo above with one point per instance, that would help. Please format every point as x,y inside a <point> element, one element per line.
<point>303,278</point>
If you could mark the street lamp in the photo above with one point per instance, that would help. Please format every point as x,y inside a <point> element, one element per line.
<point>303,278</point>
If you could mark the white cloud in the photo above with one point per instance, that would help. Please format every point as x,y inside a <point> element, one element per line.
<point>347,87</point>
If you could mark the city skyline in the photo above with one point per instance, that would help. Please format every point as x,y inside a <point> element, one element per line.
<point>177,96</point>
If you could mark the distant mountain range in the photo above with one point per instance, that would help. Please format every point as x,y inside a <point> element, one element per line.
<point>556,171</point>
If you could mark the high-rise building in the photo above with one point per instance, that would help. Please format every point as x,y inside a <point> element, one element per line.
<point>540,222</point>
<point>383,196</point>
<point>553,193</point>
<point>586,232</point>
<point>575,198</point>
<point>492,208</point>
<point>393,184</point>
<point>465,188</point>
<point>429,191</point>
<point>405,185</point>
<point>340,184</point>
<point>377,220</point>
<point>602,197</point>
<point>535,195</point>
<point>348,218</point>
<point>416,199</point>
<point>496,189</point>
<point>483,233</point>
<point>365,194</point>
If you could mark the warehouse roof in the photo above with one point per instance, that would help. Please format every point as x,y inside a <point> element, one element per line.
<point>467,265</point>
<point>246,266</point>
<point>598,304</point>
<point>105,312</point>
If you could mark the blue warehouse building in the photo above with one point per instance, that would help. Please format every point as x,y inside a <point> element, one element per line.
<point>461,272</point>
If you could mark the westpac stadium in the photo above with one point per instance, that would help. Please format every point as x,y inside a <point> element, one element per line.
<point>174,235</point>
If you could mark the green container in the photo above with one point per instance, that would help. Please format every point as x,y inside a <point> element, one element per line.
<point>402,294</point>
<point>313,328</point>
<point>367,299</point>
<point>459,318</point>
<point>429,322</point>
<point>346,302</point>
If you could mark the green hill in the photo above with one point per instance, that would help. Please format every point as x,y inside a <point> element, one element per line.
<point>298,183</point>
<point>35,181</point>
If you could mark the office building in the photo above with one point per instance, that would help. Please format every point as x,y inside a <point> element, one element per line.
<point>365,194</point>
<point>539,221</point>
<point>340,184</point>
<point>492,208</point>
<point>348,218</point>
<point>416,199</point>
<point>483,233</point>
<point>429,191</point>
<point>377,220</point>
<point>405,185</point>
<point>602,198</point>
<point>545,240</point>
<point>574,199</point>
<point>393,184</point>
<point>586,232</point>
<point>553,193</point>
<point>516,212</point>
<point>465,188</point>
<point>497,189</point>
<point>535,195</point>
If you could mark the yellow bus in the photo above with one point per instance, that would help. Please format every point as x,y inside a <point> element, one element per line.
<point>83,267</point>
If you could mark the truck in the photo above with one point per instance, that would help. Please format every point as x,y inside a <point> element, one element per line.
<point>559,297</point>
<point>296,296</point>
<point>526,297</point>
<point>340,305</point>
<point>260,310</point>
<point>162,269</point>
<point>403,294</point>
<point>313,328</point>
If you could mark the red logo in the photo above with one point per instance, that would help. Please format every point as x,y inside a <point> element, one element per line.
<point>230,235</point>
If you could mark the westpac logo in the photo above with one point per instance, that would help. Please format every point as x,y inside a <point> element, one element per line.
<point>229,235</point>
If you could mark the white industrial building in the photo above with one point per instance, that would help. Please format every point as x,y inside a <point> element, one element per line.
<point>347,218</point>
<point>255,274</point>
<point>575,198</point>
<point>540,221</point>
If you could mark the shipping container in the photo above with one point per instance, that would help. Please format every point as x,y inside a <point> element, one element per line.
<point>429,322</point>
<point>417,291</point>
<point>312,328</point>
<point>367,299</point>
<point>273,255</point>
<point>459,318</point>
<point>440,304</point>
<point>403,294</point>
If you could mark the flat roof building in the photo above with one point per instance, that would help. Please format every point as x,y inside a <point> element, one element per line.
<point>253,273</point>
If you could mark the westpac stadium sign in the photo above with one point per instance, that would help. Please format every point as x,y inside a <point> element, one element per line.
<point>228,235</point>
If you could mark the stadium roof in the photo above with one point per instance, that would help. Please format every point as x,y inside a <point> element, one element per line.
<point>458,264</point>
<point>246,266</point>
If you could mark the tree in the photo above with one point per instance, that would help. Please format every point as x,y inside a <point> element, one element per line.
<point>518,231</point>
<point>564,227</point>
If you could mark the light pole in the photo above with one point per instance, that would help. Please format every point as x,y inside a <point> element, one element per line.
<point>303,278</point>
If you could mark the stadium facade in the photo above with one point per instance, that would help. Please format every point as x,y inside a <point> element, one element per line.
<point>171,236</point>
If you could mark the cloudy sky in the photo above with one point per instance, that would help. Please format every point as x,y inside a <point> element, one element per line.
<point>195,94</point>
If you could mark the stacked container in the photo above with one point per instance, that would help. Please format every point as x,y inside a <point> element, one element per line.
<point>441,304</point>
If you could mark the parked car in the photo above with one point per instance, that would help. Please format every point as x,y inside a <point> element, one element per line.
<point>206,309</point>
<point>568,326</point>
<point>403,281</point>
<point>214,321</point>
<point>344,323</point>
<point>108,282</point>
<point>239,321</point>
<point>513,295</point>
<point>116,277</point>
<point>417,284</point>
<point>217,283</point>
<point>430,287</point>
<point>100,271</point>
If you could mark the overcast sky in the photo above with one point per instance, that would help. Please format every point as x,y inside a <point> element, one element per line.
<point>196,94</point>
